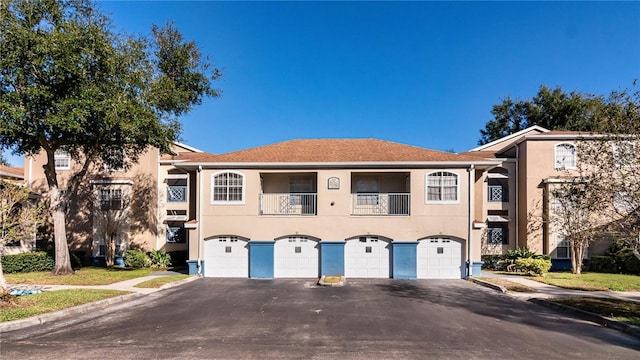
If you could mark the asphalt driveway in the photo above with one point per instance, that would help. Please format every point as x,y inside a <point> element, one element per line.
<point>228,318</point>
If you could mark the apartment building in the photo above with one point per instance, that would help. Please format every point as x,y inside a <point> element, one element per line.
<point>307,208</point>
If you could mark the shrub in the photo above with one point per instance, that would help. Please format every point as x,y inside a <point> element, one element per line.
<point>490,262</point>
<point>602,264</point>
<point>520,253</point>
<point>27,262</point>
<point>136,259</point>
<point>533,266</point>
<point>179,258</point>
<point>160,259</point>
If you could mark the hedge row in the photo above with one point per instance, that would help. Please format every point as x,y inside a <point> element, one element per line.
<point>33,261</point>
<point>522,260</point>
<point>617,260</point>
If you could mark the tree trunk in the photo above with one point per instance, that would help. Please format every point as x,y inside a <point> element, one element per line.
<point>577,252</point>
<point>111,250</point>
<point>62,258</point>
<point>3,282</point>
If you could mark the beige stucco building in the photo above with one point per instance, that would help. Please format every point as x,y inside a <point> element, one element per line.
<point>306,208</point>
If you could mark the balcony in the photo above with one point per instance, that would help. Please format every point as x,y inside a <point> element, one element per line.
<point>294,204</point>
<point>390,204</point>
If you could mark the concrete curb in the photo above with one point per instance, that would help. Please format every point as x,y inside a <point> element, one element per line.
<point>488,284</point>
<point>586,315</point>
<point>81,309</point>
<point>76,310</point>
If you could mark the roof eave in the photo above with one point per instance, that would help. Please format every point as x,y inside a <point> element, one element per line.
<point>354,165</point>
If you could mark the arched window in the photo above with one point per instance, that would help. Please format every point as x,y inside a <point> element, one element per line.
<point>565,156</point>
<point>227,188</point>
<point>442,187</point>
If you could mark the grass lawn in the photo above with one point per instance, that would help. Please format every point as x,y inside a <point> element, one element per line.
<point>591,281</point>
<point>84,276</point>
<point>160,280</point>
<point>509,285</point>
<point>620,310</point>
<point>48,301</point>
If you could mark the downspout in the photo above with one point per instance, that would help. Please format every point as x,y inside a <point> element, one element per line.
<point>517,197</point>
<point>30,172</point>
<point>199,218</point>
<point>471,172</point>
<point>158,202</point>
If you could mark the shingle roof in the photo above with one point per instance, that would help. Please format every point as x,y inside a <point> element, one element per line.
<point>329,151</point>
<point>11,171</point>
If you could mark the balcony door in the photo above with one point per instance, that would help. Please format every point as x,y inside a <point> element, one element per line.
<point>302,193</point>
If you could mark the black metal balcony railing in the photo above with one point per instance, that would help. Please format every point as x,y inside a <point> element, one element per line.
<point>380,204</point>
<point>288,204</point>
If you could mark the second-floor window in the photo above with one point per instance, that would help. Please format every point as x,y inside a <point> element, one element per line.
<point>497,234</point>
<point>565,156</point>
<point>497,190</point>
<point>110,199</point>
<point>177,191</point>
<point>227,188</point>
<point>62,160</point>
<point>442,187</point>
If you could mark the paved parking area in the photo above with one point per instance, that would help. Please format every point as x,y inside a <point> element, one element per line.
<point>381,319</point>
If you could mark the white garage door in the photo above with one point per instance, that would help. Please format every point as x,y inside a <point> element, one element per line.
<point>226,256</point>
<point>439,259</point>
<point>295,257</point>
<point>366,257</point>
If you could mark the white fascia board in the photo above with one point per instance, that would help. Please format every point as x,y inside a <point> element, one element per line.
<point>497,218</point>
<point>175,218</point>
<point>479,225</point>
<point>112,182</point>
<point>353,165</point>
<point>497,176</point>
<point>191,225</point>
<point>190,148</point>
<point>563,180</point>
<point>176,177</point>
<point>509,137</point>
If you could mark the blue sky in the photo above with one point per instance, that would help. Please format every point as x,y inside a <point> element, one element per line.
<point>419,73</point>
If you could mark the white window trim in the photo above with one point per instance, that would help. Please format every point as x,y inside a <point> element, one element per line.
<point>221,202</point>
<point>555,157</point>
<point>61,154</point>
<point>559,240</point>
<point>444,202</point>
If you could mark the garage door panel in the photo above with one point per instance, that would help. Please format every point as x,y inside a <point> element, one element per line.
<point>367,258</point>
<point>226,257</point>
<point>296,257</point>
<point>439,259</point>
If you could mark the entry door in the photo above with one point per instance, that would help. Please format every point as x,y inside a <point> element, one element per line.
<point>439,259</point>
<point>366,257</point>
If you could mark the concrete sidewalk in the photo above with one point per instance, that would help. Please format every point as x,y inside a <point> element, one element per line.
<point>541,292</point>
<point>546,291</point>
<point>127,285</point>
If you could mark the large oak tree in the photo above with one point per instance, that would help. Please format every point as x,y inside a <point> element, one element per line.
<point>69,82</point>
<point>552,109</point>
